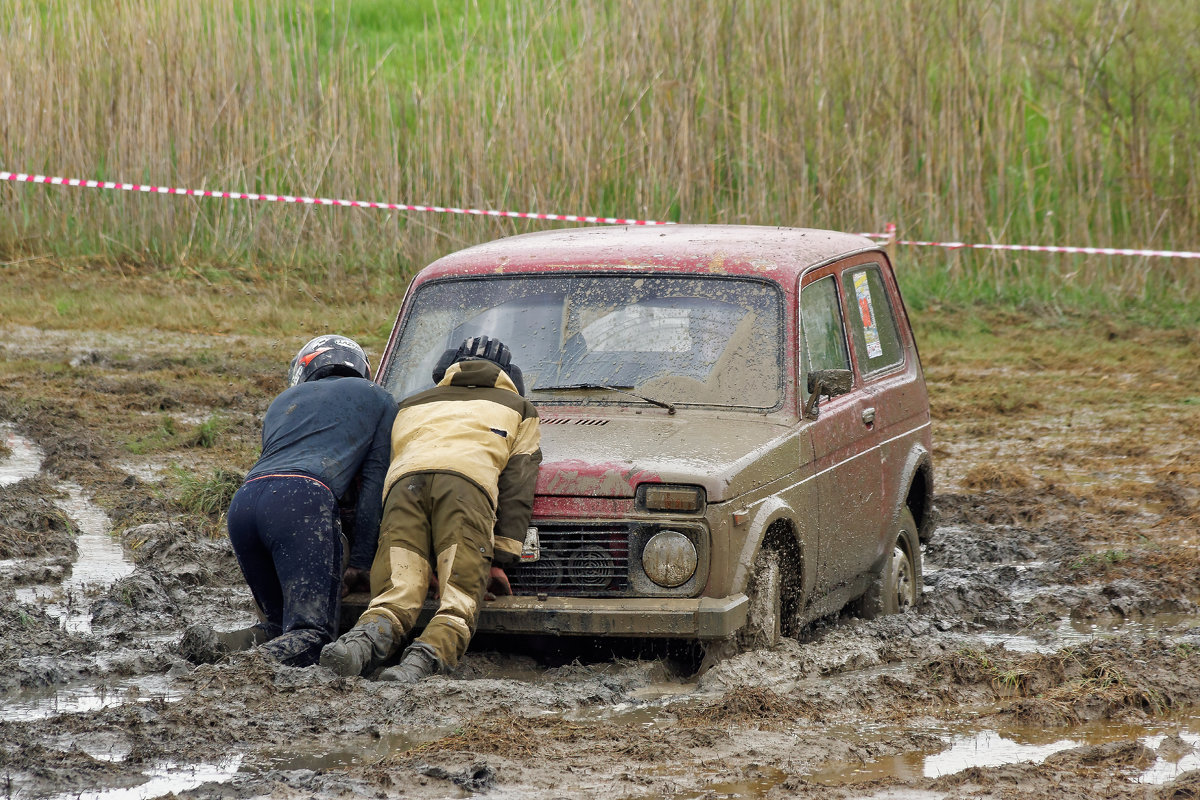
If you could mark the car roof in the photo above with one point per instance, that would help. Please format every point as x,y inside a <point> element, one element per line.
<point>779,253</point>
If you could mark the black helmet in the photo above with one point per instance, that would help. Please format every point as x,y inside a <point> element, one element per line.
<point>481,347</point>
<point>328,355</point>
<point>486,348</point>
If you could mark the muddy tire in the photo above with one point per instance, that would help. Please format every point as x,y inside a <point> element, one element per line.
<point>764,618</point>
<point>897,587</point>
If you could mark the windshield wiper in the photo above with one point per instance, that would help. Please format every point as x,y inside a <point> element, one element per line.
<point>621,389</point>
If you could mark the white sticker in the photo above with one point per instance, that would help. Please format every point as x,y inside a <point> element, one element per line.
<point>862,291</point>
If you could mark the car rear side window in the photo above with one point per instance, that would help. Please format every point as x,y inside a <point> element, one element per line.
<point>823,343</point>
<point>872,321</point>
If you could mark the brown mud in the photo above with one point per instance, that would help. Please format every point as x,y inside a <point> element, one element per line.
<point>1056,654</point>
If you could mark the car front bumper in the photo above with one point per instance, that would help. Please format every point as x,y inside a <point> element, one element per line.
<point>703,618</point>
<point>682,618</point>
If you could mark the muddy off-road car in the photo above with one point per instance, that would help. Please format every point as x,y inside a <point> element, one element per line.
<point>735,425</point>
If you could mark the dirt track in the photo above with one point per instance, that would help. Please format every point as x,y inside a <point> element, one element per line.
<point>1056,654</point>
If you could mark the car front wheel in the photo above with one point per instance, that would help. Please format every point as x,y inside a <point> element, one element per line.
<point>764,620</point>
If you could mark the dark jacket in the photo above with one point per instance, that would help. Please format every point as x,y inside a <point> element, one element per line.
<point>335,430</point>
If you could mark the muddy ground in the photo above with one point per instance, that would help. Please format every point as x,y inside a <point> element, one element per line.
<point>1057,652</point>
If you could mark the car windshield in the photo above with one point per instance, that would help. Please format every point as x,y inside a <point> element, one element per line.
<point>683,340</point>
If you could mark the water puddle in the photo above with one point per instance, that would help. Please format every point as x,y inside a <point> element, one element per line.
<point>1176,742</point>
<point>633,715</point>
<point>101,559</point>
<point>163,779</point>
<point>31,706</point>
<point>1070,632</point>
<point>755,786</point>
<point>349,752</point>
<point>23,460</point>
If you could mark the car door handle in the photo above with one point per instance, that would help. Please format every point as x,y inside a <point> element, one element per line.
<point>868,416</point>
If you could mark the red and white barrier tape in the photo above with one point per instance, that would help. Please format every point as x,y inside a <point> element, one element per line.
<point>890,236</point>
<point>20,177</point>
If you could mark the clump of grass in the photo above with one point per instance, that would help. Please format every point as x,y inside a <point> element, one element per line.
<point>1008,676</point>
<point>1103,560</point>
<point>209,494</point>
<point>207,432</point>
<point>1102,685</point>
<point>168,435</point>
<point>993,477</point>
<point>503,732</point>
<point>750,706</point>
<point>162,437</point>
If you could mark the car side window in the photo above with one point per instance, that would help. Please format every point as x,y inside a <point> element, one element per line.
<point>823,338</point>
<point>872,320</point>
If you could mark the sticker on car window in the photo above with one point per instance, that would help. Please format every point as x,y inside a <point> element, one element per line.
<point>862,291</point>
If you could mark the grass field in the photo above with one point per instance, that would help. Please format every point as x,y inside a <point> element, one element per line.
<point>1022,122</point>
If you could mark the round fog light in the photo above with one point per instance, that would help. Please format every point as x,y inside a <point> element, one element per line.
<point>669,559</point>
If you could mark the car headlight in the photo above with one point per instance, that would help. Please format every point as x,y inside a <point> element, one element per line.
<point>669,559</point>
<point>670,497</point>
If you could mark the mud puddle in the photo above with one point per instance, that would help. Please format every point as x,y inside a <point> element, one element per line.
<point>31,705</point>
<point>1172,748</point>
<point>19,459</point>
<point>100,559</point>
<point>1067,632</point>
<point>165,779</point>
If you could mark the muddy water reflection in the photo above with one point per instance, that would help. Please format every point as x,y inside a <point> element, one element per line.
<point>34,705</point>
<point>23,459</point>
<point>1069,632</point>
<point>100,561</point>
<point>163,779</point>
<point>345,753</point>
<point>1175,740</point>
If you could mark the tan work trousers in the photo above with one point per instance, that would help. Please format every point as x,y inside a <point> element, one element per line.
<point>439,520</point>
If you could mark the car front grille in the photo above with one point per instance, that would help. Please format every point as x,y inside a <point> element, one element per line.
<point>577,560</point>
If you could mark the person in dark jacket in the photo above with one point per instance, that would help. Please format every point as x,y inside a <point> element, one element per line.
<point>323,437</point>
<point>459,495</point>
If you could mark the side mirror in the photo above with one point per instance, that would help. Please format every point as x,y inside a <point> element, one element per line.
<point>830,382</point>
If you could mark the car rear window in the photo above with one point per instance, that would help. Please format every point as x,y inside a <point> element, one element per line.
<point>685,340</point>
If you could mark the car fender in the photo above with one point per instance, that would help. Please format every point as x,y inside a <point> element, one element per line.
<point>771,511</point>
<point>917,461</point>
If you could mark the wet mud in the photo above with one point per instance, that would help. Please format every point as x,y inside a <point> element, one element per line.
<point>1056,653</point>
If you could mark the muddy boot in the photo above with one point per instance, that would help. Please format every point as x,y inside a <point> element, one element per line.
<point>203,645</point>
<point>360,649</point>
<point>420,661</point>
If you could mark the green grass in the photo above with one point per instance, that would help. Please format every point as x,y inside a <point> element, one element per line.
<point>163,437</point>
<point>209,494</point>
<point>207,433</point>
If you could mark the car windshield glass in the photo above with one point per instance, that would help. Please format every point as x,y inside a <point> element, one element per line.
<point>683,340</point>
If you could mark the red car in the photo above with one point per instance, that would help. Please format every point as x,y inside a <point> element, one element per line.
<point>735,424</point>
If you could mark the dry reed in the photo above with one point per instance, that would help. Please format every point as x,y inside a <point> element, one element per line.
<point>1013,122</point>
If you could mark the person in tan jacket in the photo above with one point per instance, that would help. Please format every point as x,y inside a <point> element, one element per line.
<point>458,500</point>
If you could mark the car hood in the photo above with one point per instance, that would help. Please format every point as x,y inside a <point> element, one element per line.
<point>586,455</point>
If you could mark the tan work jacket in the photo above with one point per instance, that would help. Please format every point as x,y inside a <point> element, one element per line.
<point>474,424</point>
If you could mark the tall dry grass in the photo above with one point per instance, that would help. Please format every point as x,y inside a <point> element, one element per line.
<point>1026,122</point>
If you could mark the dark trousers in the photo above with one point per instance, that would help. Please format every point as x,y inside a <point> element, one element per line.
<point>284,534</point>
